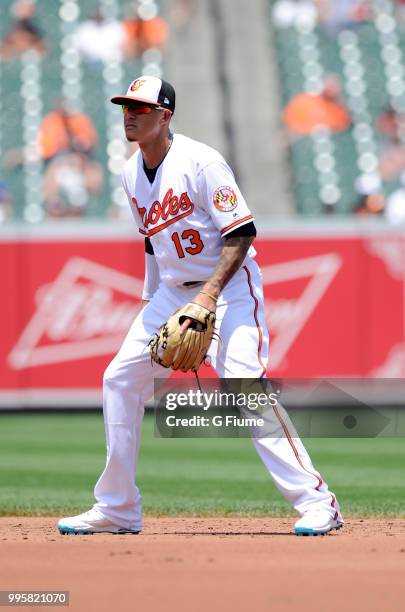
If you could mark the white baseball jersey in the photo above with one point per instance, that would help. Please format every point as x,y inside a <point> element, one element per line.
<point>191,205</point>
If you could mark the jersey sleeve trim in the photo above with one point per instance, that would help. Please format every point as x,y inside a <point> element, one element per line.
<point>246,229</point>
<point>236,223</point>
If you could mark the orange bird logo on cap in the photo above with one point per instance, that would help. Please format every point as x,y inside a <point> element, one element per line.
<point>137,84</point>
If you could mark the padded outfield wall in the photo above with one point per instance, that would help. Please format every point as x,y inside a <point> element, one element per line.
<point>334,304</point>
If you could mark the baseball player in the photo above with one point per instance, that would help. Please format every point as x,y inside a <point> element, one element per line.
<point>198,233</point>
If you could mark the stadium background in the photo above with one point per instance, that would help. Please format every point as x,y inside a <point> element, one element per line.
<point>73,266</point>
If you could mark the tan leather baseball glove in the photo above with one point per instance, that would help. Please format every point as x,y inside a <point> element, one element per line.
<point>185,352</point>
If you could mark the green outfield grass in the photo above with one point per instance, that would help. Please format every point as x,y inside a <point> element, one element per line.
<point>49,464</point>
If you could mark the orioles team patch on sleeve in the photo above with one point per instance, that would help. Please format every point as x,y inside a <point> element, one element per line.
<point>225,199</point>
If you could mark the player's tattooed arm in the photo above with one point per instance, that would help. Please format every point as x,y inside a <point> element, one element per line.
<point>231,259</point>
<point>232,256</point>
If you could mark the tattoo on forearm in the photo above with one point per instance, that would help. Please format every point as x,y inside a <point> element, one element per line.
<point>232,256</point>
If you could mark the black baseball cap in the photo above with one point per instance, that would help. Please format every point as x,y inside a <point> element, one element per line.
<point>151,90</point>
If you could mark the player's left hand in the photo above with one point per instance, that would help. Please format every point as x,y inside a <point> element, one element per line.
<point>186,352</point>
<point>202,299</point>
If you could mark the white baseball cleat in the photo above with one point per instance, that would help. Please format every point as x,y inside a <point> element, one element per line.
<point>92,522</point>
<point>317,522</point>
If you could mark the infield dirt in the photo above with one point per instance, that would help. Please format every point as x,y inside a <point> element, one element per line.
<point>210,565</point>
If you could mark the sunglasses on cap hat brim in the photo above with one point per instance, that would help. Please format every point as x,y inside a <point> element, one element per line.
<point>140,108</point>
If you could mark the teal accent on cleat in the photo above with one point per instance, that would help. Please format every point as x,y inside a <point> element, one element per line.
<point>304,531</point>
<point>316,523</point>
<point>70,531</point>
<point>64,530</point>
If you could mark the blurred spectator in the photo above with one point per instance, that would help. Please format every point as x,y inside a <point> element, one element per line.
<point>62,130</point>
<point>388,124</point>
<point>395,206</point>
<point>142,33</point>
<point>308,111</point>
<point>390,127</point>
<point>370,205</point>
<point>182,12</point>
<point>338,15</point>
<point>69,181</point>
<point>371,199</point>
<point>6,202</point>
<point>392,162</point>
<point>23,34</point>
<point>289,13</point>
<point>99,39</point>
<point>66,139</point>
<point>65,129</point>
<point>400,9</point>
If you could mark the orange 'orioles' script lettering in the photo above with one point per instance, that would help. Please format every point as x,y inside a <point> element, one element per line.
<point>162,214</point>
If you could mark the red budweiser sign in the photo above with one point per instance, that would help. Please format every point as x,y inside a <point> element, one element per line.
<point>334,307</point>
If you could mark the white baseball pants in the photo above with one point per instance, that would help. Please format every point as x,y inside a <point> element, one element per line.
<point>241,353</point>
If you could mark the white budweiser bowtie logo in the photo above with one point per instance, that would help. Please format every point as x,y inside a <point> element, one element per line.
<point>85,312</point>
<point>286,318</point>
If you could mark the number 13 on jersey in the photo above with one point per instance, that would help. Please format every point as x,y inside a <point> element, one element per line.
<point>189,237</point>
